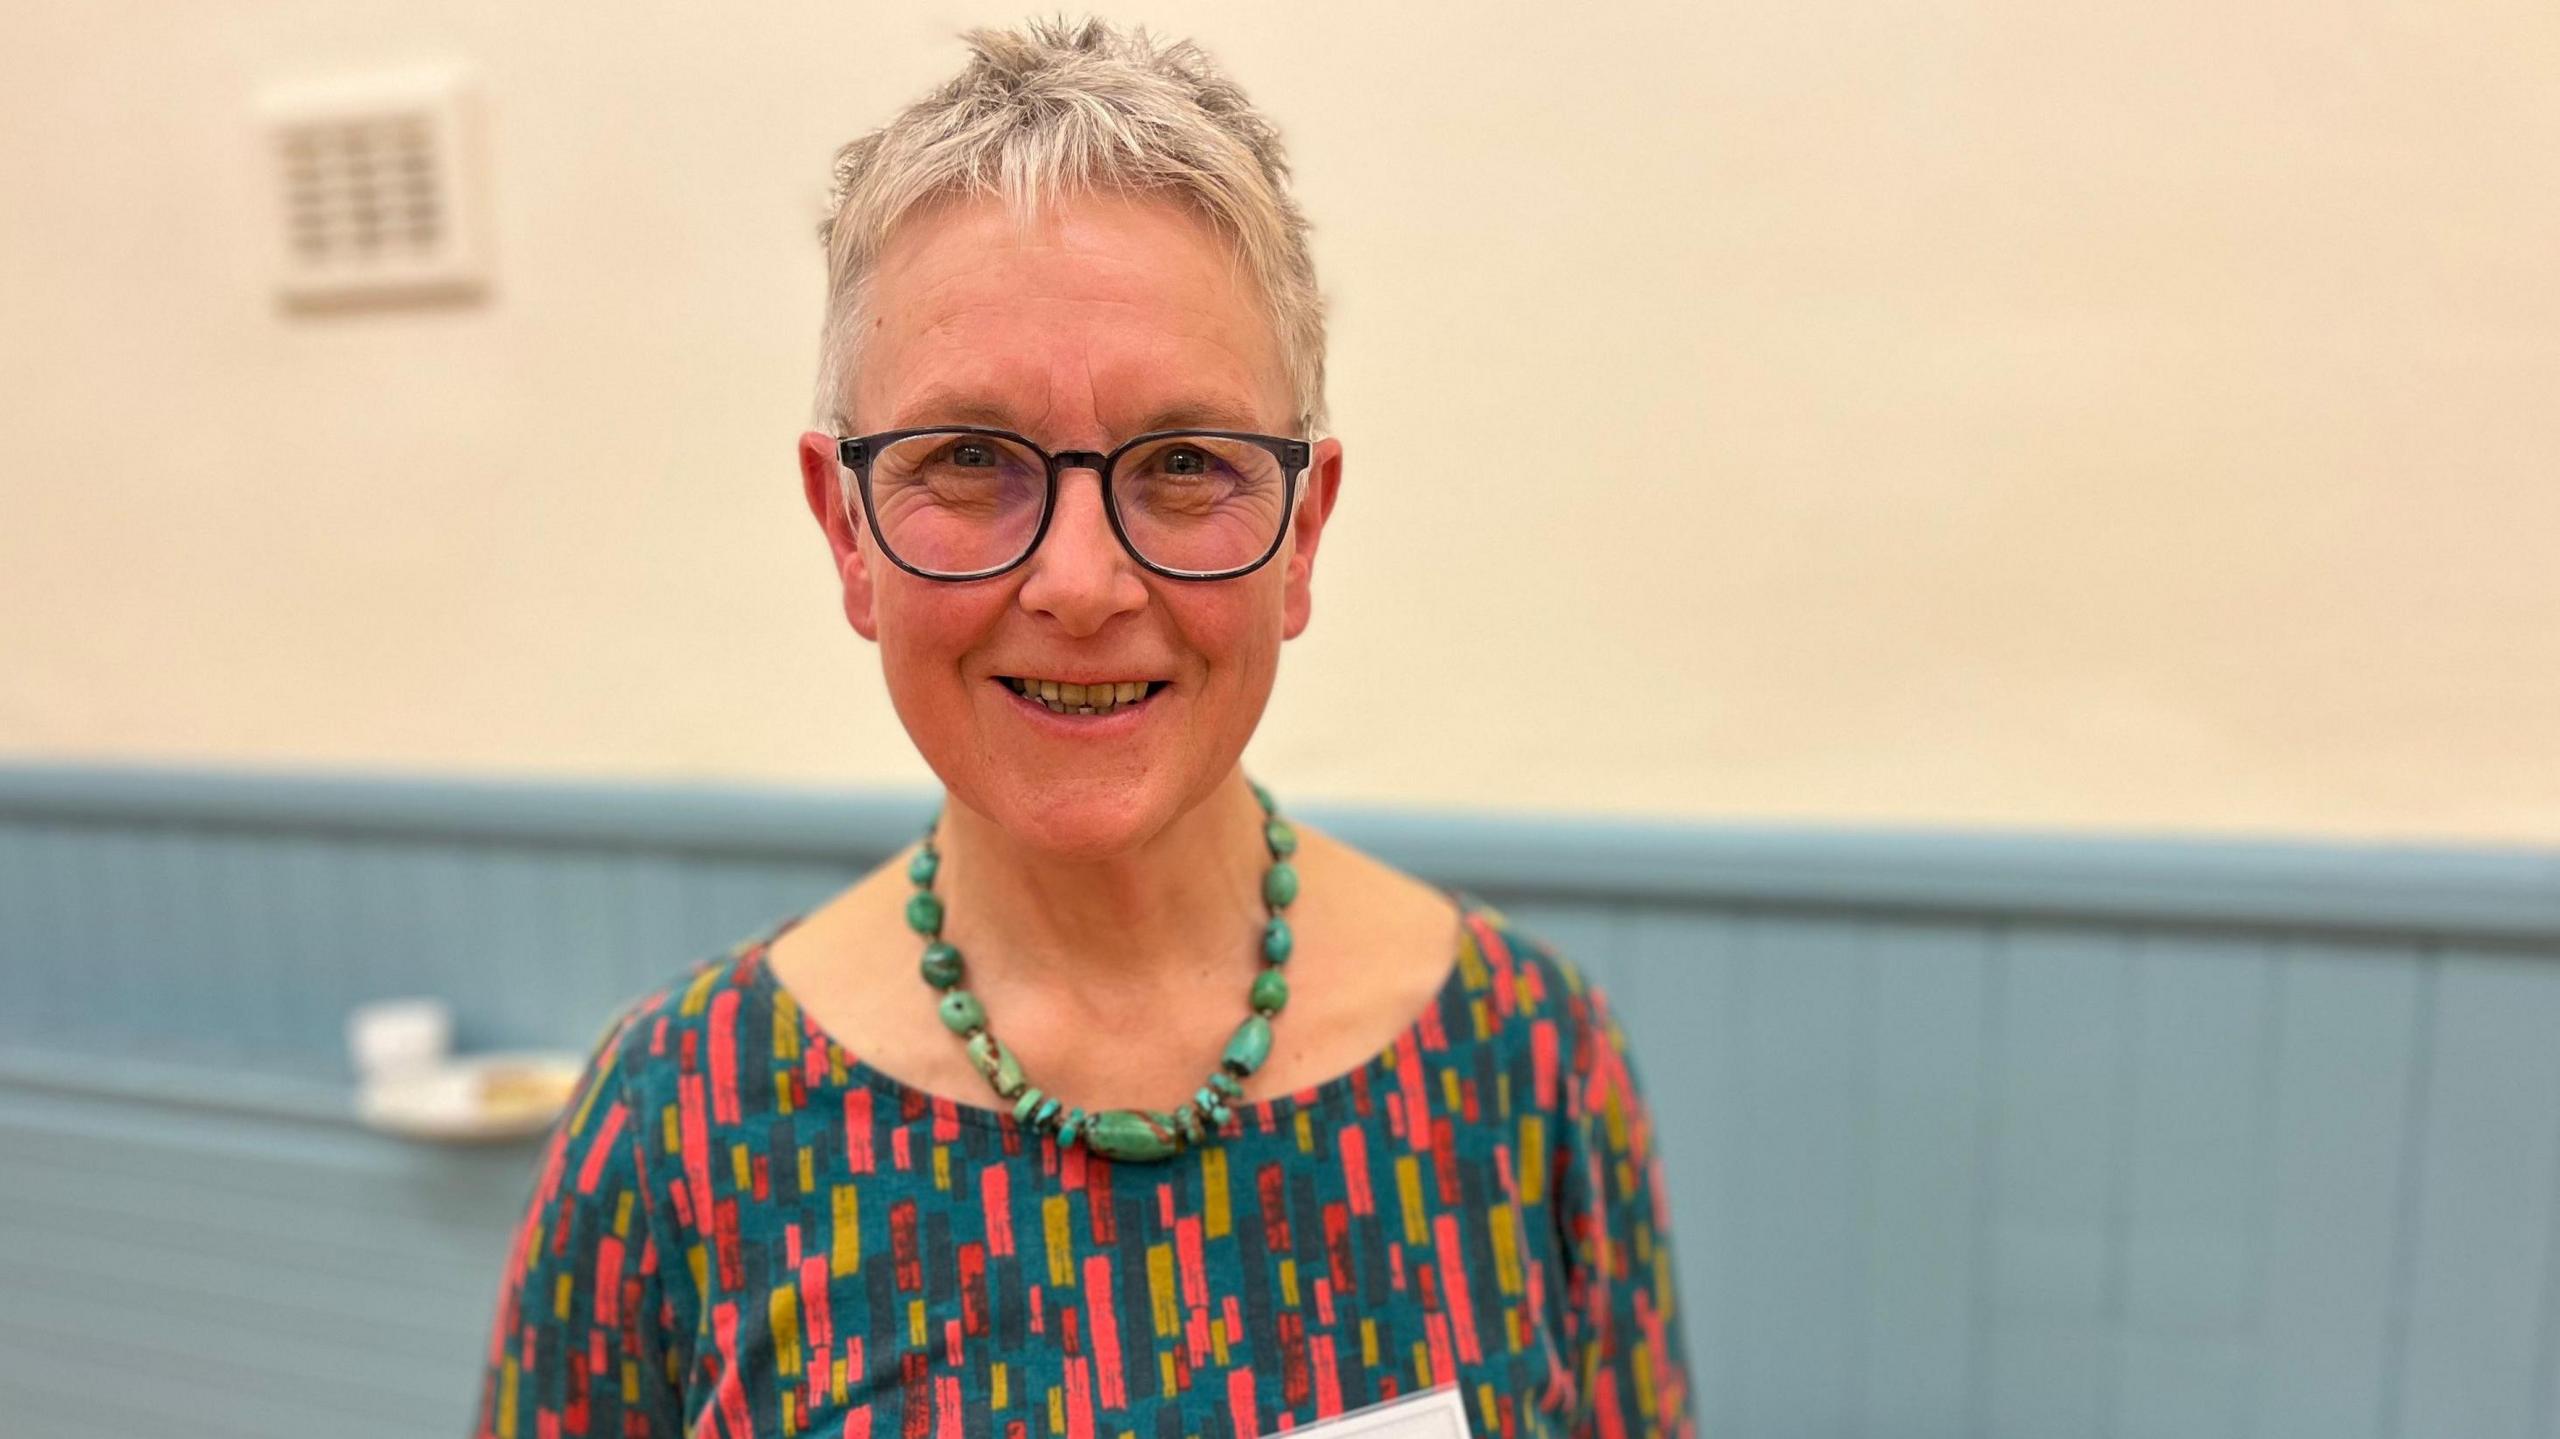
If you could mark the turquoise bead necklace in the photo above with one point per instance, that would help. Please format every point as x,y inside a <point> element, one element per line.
<point>1121,1134</point>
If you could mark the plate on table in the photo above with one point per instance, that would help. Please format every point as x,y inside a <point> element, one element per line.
<point>474,1098</point>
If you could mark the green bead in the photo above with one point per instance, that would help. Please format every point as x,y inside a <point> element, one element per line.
<point>961,1012</point>
<point>1262,797</point>
<point>1071,1129</point>
<point>1270,991</point>
<point>1029,1101</point>
<point>924,915</point>
<point>941,965</point>
<point>1206,1100</point>
<point>1221,1116</point>
<point>1277,941</point>
<point>1282,839</point>
<point>1047,1113</point>
<point>1186,1123</point>
<point>1131,1134</point>
<point>1251,1046</point>
<point>922,868</point>
<point>1279,886</point>
<point>1227,1084</point>
<point>988,1054</point>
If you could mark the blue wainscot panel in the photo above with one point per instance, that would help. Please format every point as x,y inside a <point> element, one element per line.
<point>1967,1134</point>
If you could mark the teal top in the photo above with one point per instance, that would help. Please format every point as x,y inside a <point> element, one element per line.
<point>741,1228</point>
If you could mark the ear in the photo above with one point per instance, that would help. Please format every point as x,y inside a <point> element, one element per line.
<point>822,481</point>
<point>1318,488</point>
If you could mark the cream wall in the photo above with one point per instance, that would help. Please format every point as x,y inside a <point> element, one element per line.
<point>2135,416</point>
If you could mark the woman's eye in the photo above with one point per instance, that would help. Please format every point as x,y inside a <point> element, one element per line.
<point>973,455</point>
<point>1186,461</point>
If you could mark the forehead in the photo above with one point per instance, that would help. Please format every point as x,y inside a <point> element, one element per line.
<point>1118,311</point>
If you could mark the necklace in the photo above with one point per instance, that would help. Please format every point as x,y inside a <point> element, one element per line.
<point>1120,1134</point>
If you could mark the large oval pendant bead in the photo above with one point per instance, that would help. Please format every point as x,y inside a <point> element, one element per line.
<point>924,915</point>
<point>996,1062</point>
<point>1251,1046</point>
<point>1131,1134</point>
<point>941,965</point>
<point>1279,886</point>
<point>1282,839</point>
<point>1277,941</point>
<point>922,868</point>
<point>961,1013</point>
<point>1270,991</point>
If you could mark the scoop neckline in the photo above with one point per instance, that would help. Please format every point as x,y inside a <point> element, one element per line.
<point>1259,1117</point>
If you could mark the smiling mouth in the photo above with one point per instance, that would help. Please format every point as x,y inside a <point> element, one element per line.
<point>1095,700</point>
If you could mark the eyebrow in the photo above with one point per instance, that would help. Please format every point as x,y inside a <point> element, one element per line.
<point>951,407</point>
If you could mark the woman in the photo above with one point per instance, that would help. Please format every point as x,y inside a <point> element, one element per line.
<point>1117,1103</point>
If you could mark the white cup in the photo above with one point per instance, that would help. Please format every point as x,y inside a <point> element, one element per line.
<point>398,1036</point>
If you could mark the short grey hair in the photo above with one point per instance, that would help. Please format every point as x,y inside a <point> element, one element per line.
<point>1054,109</point>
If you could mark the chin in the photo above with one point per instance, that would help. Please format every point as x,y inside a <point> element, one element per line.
<point>1083,817</point>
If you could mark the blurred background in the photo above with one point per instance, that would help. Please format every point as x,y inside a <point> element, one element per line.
<point>1996,569</point>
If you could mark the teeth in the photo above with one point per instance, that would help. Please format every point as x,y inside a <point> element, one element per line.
<point>1097,699</point>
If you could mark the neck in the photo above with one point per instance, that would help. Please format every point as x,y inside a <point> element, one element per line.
<point>1182,906</point>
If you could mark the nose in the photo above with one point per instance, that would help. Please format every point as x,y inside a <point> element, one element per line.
<point>1080,574</point>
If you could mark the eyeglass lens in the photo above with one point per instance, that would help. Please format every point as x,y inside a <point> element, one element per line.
<point>962,503</point>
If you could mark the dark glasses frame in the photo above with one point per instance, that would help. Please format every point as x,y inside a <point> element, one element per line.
<point>856,452</point>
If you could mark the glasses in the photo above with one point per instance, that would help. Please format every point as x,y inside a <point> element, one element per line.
<point>963,503</point>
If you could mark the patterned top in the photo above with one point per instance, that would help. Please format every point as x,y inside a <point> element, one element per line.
<point>740,1228</point>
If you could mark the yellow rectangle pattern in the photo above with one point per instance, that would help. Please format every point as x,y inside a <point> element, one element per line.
<point>844,1239</point>
<point>1168,1316</point>
<point>1213,1192</point>
<point>782,1311</point>
<point>1062,1248</point>
<point>1409,1187</point>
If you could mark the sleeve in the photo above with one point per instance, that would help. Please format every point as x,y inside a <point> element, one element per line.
<point>585,1340</point>
<point>1624,1331</point>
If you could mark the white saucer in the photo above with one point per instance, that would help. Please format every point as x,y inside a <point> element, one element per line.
<point>461,1100</point>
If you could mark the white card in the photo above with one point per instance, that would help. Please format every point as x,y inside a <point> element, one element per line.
<point>1436,1413</point>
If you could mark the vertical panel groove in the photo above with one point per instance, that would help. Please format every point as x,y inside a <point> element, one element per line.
<point>1734,1313</point>
<point>2262,1126</point>
<point>1747,1382</point>
<point>2404,1259</point>
<point>2546,1364</point>
<point>2120,1124</point>
<point>1862,1150</point>
<point>1997,941</point>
